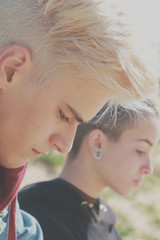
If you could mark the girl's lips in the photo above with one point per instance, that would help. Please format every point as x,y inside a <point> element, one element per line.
<point>136,182</point>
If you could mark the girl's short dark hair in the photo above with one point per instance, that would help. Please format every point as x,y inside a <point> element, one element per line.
<point>113,123</point>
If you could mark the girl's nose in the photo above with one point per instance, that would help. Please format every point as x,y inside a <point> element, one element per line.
<point>147,168</point>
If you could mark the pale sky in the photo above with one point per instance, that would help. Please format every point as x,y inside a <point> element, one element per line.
<point>147,15</point>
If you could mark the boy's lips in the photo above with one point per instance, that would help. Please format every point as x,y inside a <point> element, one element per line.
<point>36,153</point>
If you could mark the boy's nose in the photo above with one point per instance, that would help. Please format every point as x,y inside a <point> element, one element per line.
<point>62,142</point>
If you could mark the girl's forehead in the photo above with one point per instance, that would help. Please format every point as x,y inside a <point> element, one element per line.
<point>145,130</point>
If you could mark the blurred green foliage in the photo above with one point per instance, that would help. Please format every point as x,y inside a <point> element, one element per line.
<point>53,158</point>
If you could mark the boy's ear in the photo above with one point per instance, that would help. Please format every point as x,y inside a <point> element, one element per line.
<point>95,140</point>
<point>15,63</point>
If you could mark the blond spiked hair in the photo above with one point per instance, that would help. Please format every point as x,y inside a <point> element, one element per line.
<point>91,38</point>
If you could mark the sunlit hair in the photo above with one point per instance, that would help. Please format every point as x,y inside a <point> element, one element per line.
<point>113,123</point>
<point>92,39</point>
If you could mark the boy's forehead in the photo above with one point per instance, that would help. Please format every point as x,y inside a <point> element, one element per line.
<point>81,99</point>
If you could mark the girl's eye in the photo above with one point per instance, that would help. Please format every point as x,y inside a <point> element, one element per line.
<point>140,152</point>
<point>63,117</point>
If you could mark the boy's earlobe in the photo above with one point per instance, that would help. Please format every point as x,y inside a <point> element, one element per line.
<point>12,60</point>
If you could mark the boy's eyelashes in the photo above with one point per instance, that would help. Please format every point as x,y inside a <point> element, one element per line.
<point>62,116</point>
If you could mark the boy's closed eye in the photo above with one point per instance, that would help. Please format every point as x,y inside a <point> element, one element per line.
<point>63,117</point>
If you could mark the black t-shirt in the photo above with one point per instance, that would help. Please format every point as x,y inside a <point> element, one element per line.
<point>66,213</point>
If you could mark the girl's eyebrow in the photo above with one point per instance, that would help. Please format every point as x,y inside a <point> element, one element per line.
<point>147,141</point>
<point>76,114</point>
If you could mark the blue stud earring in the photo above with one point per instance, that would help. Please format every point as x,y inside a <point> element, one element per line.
<point>98,154</point>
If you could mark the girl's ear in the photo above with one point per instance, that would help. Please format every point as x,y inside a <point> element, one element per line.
<point>95,140</point>
<point>15,63</point>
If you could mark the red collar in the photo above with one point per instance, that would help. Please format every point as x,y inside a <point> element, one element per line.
<point>10,180</point>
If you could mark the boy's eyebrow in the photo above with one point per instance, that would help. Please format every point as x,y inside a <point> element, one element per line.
<point>76,115</point>
<point>147,141</point>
